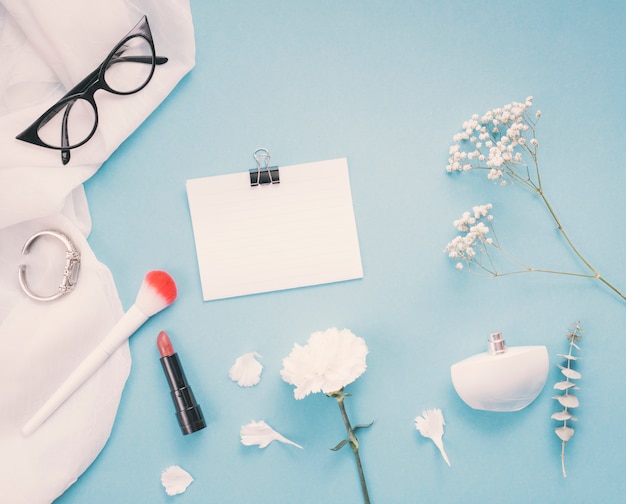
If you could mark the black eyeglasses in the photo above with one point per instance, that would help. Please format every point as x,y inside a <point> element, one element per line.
<point>73,120</point>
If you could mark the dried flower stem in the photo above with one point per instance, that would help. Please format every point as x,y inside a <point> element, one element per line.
<point>557,221</point>
<point>351,440</point>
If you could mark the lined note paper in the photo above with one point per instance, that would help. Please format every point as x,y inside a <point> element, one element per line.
<point>297,233</point>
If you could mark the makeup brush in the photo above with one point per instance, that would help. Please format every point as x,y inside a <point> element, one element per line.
<point>157,292</point>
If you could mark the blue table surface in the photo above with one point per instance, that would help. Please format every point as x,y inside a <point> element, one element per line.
<point>386,85</point>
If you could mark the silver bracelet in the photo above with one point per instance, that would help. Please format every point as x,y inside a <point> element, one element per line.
<point>70,270</point>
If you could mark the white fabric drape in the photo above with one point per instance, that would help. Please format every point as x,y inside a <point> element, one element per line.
<point>45,48</point>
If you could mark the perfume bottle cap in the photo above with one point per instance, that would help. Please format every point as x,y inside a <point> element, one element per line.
<point>496,344</point>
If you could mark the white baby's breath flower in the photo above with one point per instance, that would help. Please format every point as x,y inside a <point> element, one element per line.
<point>475,225</point>
<point>430,425</point>
<point>329,361</point>
<point>261,434</point>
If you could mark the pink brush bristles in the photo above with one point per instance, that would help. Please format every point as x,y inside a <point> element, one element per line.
<point>157,291</point>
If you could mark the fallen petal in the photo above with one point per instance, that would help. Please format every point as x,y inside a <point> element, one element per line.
<point>430,425</point>
<point>261,434</point>
<point>439,444</point>
<point>246,370</point>
<point>175,480</point>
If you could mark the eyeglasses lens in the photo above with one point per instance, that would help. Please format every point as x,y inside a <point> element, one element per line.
<point>130,68</point>
<point>68,124</point>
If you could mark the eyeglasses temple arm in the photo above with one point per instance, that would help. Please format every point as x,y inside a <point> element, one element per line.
<point>158,60</point>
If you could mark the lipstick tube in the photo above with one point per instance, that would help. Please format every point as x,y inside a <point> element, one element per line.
<point>188,411</point>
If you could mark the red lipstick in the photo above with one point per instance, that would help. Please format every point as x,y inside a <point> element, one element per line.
<point>188,411</point>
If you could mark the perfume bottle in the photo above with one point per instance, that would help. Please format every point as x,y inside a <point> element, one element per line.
<point>501,379</point>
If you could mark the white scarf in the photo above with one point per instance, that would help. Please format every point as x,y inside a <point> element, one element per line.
<point>46,48</point>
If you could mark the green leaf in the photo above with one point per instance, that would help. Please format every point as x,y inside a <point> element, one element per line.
<point>362,426</point>
<point>340,445</point>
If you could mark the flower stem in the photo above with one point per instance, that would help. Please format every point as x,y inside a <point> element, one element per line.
<point>353,442</point>
<point>573,247</point>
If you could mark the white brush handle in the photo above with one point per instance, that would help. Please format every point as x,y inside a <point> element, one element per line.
<point>125,327</point>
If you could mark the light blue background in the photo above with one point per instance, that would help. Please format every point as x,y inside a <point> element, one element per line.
<point>385,84</point>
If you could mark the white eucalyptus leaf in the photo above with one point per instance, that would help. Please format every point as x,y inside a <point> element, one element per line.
<point>568,357</point>
<point>567,401</point>
<point>564,385</point>
<point>576,347</point>
<point>564,433</point>
<point>562,416</point>
<point>572,374</point>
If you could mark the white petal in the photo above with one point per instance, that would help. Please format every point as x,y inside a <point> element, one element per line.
<point>246,370</point>
<point>261,434</point>
<point>175,480</point>
<point>430,425</point>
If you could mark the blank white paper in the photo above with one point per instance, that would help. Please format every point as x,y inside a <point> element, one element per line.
<point>297,233</point>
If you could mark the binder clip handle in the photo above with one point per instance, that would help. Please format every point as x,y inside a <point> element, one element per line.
<point>265,174</point>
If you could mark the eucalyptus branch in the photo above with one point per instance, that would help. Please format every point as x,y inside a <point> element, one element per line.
<point>566,398</point>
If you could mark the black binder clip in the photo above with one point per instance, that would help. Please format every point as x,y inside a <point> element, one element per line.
<point>265,174</point>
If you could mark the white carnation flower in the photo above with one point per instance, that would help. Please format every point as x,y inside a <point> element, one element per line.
<point>329,361</point>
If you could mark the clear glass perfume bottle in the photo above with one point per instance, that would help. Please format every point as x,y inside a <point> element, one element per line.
<point>501,379</point>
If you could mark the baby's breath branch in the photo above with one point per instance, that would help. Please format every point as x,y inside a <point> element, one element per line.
<point>573,247</point>
<point>503,143</point>
<point>351,440</point>
<point>551,272</point>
